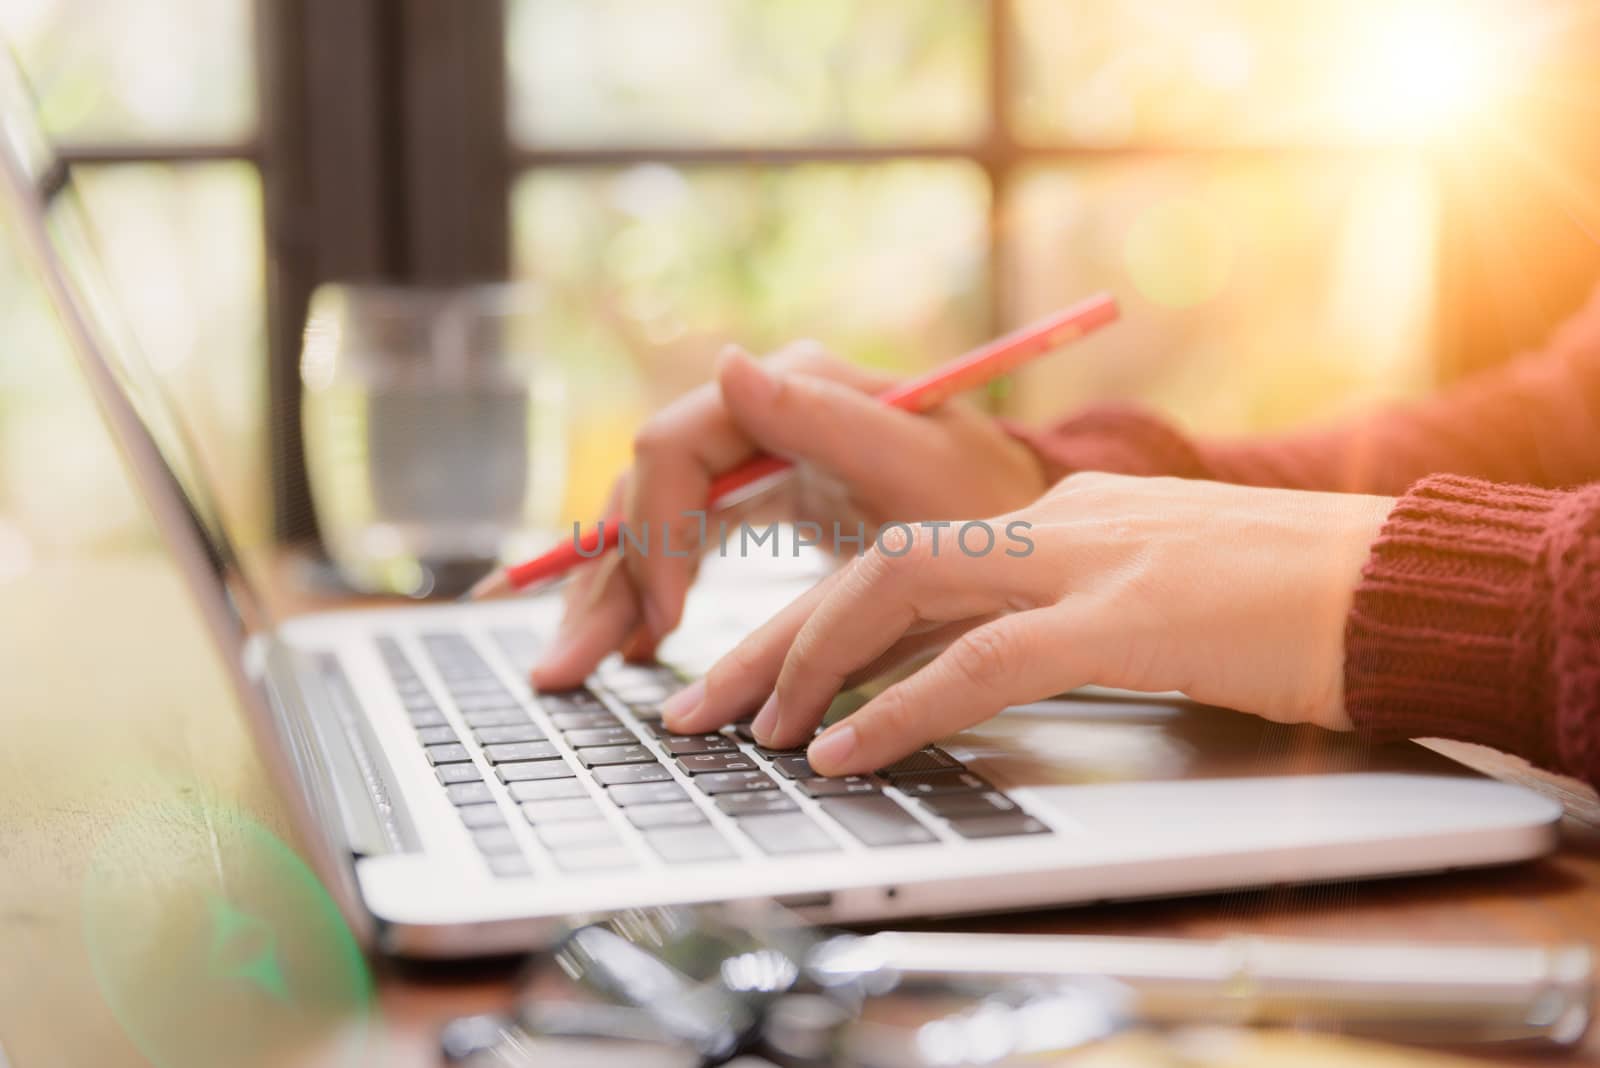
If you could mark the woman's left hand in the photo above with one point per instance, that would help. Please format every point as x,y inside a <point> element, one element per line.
<point>1234,595</point>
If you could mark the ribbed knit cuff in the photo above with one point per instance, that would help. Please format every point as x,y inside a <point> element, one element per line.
<point>1117,440</point>
<point>1449,633</point>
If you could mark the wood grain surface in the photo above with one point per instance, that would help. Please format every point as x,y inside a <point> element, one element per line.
<point>112,700</point>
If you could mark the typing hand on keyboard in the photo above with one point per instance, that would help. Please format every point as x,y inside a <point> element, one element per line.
<point>1235,595</point>
<point>590,782</point>
<point>859,464</point>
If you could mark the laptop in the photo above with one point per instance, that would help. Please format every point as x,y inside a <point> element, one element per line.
<point>452,812</point>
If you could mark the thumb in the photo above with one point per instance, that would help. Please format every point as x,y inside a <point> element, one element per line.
<point>874,449</point>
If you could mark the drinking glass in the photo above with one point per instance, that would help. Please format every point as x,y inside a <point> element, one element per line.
<point>434,432</point>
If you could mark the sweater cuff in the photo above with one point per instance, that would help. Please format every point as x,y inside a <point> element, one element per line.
<point>1448,634</point>
<point>1115,440</point>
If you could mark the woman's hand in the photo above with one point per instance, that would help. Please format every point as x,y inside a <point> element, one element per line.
<point>857,462</point>
<point>1236,596</point>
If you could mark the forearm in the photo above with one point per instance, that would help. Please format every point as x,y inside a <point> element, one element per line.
<point>1478,618</point>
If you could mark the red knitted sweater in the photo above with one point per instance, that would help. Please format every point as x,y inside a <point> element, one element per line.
<point>1478,614</point>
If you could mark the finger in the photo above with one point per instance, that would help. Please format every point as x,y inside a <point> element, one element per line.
<point>585,590</point>
<point>824,420</point>
<point>1015,659</point>
<point>915,646</point>
<point>902,585</point>
<point>676,456</point>
<point>595,625</point>
<point>639,647</point>
<point>742,678</point>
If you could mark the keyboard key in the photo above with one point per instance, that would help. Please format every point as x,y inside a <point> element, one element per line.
<point>469,793</point>
<point>430,717</point>
<point>646,793</point>
<point>790,832</point>
<point>657,678</point>
<point>496,840</point>
<point>478,680</point>
<point>700,763</point>
<point>503,717</point>
<point>793,767</point>
<point>589,737</point>
<point>596,858</point>
<point>477,817</point>
<point>586,833</point>
<point>742,731</point>
<point>942,782</point>
<point>660,729</point>
<point>579,700</point>
<point>621,774</point>
<point>616,754</point>
<point>760,803</point>
<point>485,702</point>
<point>686,845</point>
<point>679,814</point>
<point>877,821</point>
<point>849,784</point>
<point>999,826</point>
<point>563,811</point>
<point>522,732</point>
<point>920,763</point>
<point>535,770</point>
<point>455,753</point>
<point>734,782</point>
<point>574,721</point>
<point>515,751</point>
<point>679,745</point>
<point>546,789</point>
<point>509,865</point>
<point>967,805</point>
<point>774,754</point>
<point>453,773</point>
<point>436,735</point>
<point>477,688</point>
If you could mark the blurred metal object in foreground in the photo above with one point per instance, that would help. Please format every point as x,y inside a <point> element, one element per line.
<point>1402,992</point>
<point>682,987</point>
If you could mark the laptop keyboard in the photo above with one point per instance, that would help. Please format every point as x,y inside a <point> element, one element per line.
<point>571,786</point>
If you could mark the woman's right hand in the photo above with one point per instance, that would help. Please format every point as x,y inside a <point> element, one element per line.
<point>856,462</point>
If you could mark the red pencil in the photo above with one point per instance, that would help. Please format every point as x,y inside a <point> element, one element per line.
<point>976,368</point>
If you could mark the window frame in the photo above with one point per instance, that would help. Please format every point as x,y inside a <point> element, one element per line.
<point>385,154</point>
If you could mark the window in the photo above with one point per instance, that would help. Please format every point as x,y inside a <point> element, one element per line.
<point>155,104</point>
<point>1255,179</point>
<point>1274,188</point>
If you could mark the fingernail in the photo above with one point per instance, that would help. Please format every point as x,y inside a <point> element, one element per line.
<point>766,721</point>
<point>684,701</point>
<point>834,747</point>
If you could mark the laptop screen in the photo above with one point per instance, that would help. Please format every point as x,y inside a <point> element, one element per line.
<point>43,207</point>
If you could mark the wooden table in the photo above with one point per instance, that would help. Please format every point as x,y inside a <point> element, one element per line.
<point>111,698</point>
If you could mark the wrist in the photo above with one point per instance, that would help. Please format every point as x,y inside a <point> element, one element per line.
<point>1358,527</point>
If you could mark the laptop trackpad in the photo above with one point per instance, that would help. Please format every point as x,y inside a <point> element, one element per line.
<point>1158,767</point>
